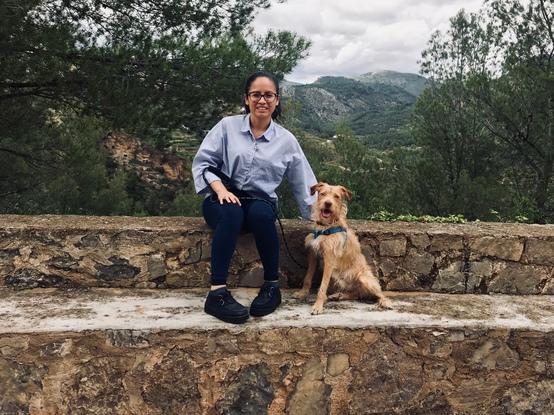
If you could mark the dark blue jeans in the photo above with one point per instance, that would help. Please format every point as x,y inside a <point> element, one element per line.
<point>227,221</point>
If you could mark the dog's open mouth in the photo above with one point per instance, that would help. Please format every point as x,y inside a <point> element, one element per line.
<point>326,213</point>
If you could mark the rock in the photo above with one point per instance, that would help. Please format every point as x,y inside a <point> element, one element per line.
<point>385,378</point>
<point>250,394</point>
<point>445,242</point>
<point>456,336</point>
<point>19,382</point>
<point>246,248</point>
<point>388,267</point>
<point>177,279</point>
<point>337,363</point>
<point>477,272</point>
<point>119,270</point>
<point>393,247</point>
<point>311,396</point>
<point>480,268</point>
<point>549,287</point>
<point>57,348</point>
<point>155,169</point>
<point>96,388</point>
<point>518,279</point>
<point>170,386</point>
<point>156,266</point>
<point>492,246</point>
<point>6,260</point>
<point>495,354</point>
<point>146,284</point>
<point>474,395</point>
<point>451,279</point>
<point>252,278</point>
<point>404,282</point>
<point>89,241</point>
<point>11,346</point>
<point>31,278</point>
<point>420,241</point>
<point>529,398</point>
<point>194,253</point>
<point>420,264</point>
<point>127,338</point>
<point>435,403</point>
<point>64,262</point>
<point>473,284</point>
<point>538,251</point>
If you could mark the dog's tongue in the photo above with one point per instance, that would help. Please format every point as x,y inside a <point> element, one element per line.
<point>326,213</point>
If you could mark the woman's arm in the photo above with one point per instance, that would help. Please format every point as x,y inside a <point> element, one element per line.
<point>210,154</point>
<point>301,177</point>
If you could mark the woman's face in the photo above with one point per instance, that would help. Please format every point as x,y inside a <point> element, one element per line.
<point>262,108</point>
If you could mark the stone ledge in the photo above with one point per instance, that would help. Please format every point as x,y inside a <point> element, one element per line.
<point>170,252</point>
<point>149,352</point>
<point>54,310</point>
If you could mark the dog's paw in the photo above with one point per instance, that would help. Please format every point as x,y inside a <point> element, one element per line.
<point>334,297</point>
<point>317,309</point>
<point>300,295</point>
<point>385,303</point>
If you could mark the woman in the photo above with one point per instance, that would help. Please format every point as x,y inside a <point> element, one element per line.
<point>256,154</point>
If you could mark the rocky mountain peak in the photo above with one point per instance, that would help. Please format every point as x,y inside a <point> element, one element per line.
<point>154,168</point>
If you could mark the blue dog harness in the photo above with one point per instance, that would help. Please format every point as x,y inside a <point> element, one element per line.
<point>330,231</point>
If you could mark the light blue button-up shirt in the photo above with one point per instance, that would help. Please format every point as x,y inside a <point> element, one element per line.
<point>256,166</point>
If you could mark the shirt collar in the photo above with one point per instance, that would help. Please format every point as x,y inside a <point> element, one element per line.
<point>268,134</point>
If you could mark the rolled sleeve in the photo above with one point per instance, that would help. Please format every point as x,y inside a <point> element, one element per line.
<point>301,178</point>
<point>209,154</point>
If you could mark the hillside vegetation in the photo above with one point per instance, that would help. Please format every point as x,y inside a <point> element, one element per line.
<point>376,106</point>
<point>473,137</point>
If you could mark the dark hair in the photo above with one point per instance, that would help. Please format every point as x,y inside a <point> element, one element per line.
<point>252,78</point>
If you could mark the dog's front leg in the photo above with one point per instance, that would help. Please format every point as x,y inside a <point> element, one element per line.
<point>305,290</point>
<point>328,267</point>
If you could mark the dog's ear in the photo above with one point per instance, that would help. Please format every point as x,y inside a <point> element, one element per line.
<point>346,194</point>
<point>316,187</point>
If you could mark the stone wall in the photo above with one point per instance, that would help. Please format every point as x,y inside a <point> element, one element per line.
<point>305,371</point>
<point>75,251</point>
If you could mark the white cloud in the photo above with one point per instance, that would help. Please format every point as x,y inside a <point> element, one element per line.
<point>351,37</point>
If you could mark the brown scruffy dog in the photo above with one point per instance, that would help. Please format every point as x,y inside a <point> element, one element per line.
<point>338,246</point>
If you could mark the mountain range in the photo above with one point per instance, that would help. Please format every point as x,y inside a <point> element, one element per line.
<point>375,103</point>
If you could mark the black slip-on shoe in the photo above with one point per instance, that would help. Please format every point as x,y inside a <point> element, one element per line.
<point>267,300</point>
<point>221,304</point>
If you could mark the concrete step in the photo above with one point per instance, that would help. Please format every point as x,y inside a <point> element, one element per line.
<point>158,252</point>
<point>118,351</point>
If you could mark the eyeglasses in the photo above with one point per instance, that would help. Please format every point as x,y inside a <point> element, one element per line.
<point>268,96</point>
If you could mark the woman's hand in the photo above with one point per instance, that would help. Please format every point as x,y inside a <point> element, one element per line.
<point>226,196</point>
<point>223,195</point>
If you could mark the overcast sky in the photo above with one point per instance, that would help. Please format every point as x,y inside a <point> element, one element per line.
<point>353,37</point>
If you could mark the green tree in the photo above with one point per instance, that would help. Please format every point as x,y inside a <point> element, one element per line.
<point>518,103</point>
<point>146,67</point>
<point>490,108</point>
